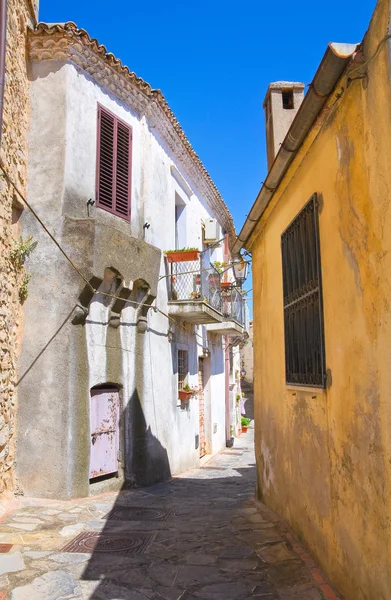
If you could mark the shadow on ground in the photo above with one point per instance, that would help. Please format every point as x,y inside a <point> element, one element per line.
<point>172,540</point>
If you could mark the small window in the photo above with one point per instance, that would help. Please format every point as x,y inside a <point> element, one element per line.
<point>287,99</point>
<point>114,165</point>
<point>183,368</point>
<point>303,306</point>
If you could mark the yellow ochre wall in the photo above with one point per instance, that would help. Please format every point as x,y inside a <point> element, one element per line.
<point>324,456</point>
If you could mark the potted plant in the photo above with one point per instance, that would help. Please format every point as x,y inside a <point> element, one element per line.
<point>186,392</point>
<point>183,255</point>
<point>245,423</point>
<point>229,443</point>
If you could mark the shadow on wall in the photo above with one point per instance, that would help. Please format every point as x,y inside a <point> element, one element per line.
<point>146,460</point>
<point>248,390</point>
<point>154,539</point>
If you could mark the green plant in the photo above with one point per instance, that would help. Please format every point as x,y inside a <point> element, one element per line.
<point>219,266</point>
<point>245,422</point>
<point>187,388</point>
<point>21,250</point>
<point>180,250</point>
<point>23,290</point>
<point>195,295</point>
<point>174,295</point>
<point>231,430</point>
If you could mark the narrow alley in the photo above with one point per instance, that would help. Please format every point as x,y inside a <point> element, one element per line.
<point>199,536</point>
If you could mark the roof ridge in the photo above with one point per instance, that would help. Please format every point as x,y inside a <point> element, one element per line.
<point>71,29</point>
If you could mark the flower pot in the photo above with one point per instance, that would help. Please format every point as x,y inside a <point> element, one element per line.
<point>244,428</point>
<point>182,256</point>
<point>226,284</point>
<point>184,396</point>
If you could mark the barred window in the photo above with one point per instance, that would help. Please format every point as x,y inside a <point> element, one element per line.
<point>183,368</point>
<point>303,307</point>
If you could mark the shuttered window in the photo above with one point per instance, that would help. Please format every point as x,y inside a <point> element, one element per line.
<point>303,306</point>
<point>114,165</point>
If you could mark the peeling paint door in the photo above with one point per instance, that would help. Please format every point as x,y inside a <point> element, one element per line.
<point>202,406</point>
<point>104,429</point>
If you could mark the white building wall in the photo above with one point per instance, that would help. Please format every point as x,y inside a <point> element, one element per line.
<point>153,200</point>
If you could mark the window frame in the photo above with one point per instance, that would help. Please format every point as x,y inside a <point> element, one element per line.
<point>113,211</point>
<point>185,381</point>
<point>301,297</point>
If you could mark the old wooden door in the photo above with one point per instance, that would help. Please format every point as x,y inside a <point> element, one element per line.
<point>202,406</point>
<point>104,428</point>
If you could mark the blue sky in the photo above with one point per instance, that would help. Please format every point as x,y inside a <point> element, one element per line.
<point>213,61</point>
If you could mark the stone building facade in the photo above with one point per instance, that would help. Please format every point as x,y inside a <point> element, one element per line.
<point>21,14</point>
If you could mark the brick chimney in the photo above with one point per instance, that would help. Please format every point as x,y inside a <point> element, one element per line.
<point>282,101</point>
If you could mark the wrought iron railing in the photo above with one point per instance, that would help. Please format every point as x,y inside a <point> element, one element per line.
<point>232,305</point>
<point>195,280</point>
<point>199,280</point>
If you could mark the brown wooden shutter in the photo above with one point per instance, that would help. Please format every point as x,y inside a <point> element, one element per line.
<point>114,165</point>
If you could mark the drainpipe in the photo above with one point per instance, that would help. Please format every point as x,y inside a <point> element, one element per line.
<point>3,34</point>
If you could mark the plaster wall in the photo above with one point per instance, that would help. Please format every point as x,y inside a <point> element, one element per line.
<point>247,357</point>
<point>279,119</point>
<point>324,455</point>
<point>62,358</point>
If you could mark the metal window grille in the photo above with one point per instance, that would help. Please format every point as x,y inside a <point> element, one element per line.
<point>114,165</point>
<point>303,308</point>
<point>183,368</point>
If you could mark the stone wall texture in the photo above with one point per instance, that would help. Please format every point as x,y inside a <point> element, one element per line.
<point>13,157</point>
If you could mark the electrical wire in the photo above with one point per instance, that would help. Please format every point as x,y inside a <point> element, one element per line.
<point>90,286</point>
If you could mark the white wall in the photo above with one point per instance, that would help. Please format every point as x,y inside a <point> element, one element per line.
<point>157,180</point>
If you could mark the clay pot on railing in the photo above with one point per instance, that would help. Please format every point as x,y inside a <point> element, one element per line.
<point>182,256</point>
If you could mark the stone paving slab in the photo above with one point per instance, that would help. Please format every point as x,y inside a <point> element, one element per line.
<point>206,539</point>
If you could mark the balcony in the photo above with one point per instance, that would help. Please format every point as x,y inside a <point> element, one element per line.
<point>233,313</point>
<point>194,288</point>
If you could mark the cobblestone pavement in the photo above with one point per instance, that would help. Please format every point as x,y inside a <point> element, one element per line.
<point>199,537</point>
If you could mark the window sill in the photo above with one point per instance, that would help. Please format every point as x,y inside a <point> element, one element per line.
<point>305,388</point>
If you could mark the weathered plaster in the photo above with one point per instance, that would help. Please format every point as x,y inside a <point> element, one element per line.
<point>75,339</point>
<point>323,456</point>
